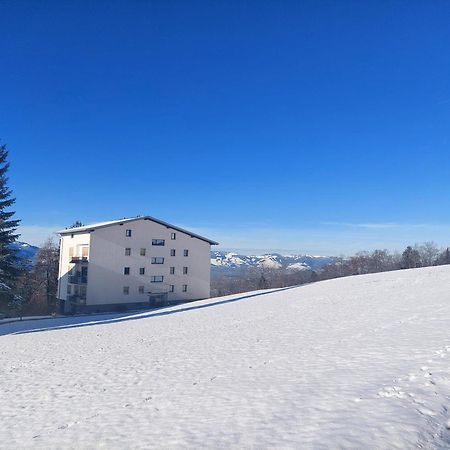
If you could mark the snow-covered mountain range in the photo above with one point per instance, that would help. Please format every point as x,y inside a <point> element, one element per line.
<point>226,262</point>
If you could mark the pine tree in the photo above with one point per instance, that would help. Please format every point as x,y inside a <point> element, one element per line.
<point>8,225</point>
<point>76,224</point>
<point>410,258</point>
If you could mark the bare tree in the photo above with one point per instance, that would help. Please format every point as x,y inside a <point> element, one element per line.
<point>429,253</point>
<point>38,287</point>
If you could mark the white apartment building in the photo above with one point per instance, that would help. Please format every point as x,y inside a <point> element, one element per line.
<point>131,263</point>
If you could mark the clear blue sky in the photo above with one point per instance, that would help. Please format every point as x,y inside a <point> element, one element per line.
<point>306,126</point>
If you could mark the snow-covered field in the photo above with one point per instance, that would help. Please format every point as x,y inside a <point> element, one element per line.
<point>361,362</point>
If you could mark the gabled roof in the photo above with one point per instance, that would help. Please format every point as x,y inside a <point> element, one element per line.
<point>94,226</point>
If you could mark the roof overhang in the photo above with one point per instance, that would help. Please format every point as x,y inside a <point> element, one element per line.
<point>95,226</point>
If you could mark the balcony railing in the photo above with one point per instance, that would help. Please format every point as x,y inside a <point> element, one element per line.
<point>77,279</point>
<point>79,259</point>
<point>77,299</point>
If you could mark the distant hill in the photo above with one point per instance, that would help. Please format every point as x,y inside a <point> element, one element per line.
<point>228,263</point>
<point>25,252</point>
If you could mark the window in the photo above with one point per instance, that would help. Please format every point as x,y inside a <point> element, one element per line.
<point>185,270</point>
<point>157,279</point>
<point>142,252</point>
<point>173,236</point>
<point>172,271</point>
<point>127,251</point>
<point>126,290</point>
<point>71,236</point>
<point>172,252</point>
<point>69,289</point>
<point>186,252</point>
<point>157,260</point>
<point>70,252</point>
<point>126,271</point>
<point>158,242</point>
<point>184,287</point>
<point>142,271</point>
<point>128,233</point>
<point>141,289</point>
<point>171,288</point>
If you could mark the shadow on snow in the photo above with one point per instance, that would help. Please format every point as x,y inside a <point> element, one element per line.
<point>25,327</point>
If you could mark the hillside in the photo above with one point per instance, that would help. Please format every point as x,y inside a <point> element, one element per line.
<point>26,252</point>
<point>358,362</point>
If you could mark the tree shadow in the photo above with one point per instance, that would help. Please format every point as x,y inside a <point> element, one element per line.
<point>87,321</point>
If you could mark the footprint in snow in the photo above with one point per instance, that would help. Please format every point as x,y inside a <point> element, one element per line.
<point>393,391</point>
<point>426,412</point>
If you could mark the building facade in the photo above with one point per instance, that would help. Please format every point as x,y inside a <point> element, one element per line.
<point>131,263</point>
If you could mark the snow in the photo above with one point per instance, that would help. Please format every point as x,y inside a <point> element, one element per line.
<point>358,362</point>
<point>269,262</point>
<point>4,287</point>
<point>97,225</point>
<point>298,266</point>
<point>92,226</point>
<point>228,259</point>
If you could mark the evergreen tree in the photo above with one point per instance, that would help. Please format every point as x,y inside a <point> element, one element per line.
<point>444,257</point>
<point>8,225</point>
<point>77,224</point>
<point>410,258</point>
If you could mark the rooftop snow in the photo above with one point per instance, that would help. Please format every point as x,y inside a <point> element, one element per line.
<point>93,226</point>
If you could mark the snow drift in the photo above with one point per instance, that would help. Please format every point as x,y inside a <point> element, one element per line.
<point>360,362</point>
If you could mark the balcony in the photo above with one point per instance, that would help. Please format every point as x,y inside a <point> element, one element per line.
<point>79,259</point>
<point>77,299</point>
<point>76,279</point>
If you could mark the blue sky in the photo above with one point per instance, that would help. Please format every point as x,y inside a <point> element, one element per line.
<point>312,126</point>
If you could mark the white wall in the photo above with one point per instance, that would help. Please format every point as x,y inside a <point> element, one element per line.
<point>107,260</point>
<point>66,243</point>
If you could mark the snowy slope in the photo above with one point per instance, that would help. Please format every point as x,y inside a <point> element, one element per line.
<point>360,362</point>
